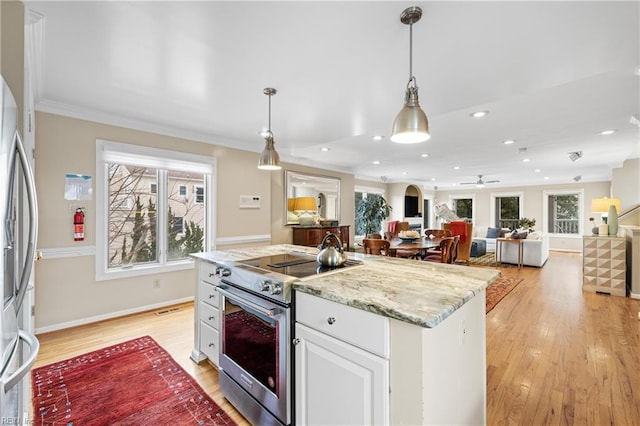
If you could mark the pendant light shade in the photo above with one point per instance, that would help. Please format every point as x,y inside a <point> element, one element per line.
<point>411,124</point>
<point>269,158</point>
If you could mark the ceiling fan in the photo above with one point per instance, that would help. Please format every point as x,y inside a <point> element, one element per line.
<point>479,182</point>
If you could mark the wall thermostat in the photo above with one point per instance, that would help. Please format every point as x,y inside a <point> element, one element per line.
<point>249,201</point>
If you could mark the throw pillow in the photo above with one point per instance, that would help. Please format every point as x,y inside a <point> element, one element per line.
<point>519,235</point>
<point>493,232</point>
<point>535,235</point>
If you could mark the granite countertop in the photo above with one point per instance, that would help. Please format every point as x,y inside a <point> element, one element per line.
<point>420,293</point>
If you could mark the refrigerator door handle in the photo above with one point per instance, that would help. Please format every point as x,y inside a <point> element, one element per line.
<point>34,346</point>
<point>33,222</point>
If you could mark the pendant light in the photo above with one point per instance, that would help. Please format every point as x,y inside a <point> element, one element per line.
<point>411,124</point>
<point>269,159</point>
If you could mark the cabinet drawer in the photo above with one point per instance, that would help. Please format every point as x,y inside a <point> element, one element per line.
<point>360,328</point>
<point>208,272</point>
<point>209,315</point>
<point>209,342</point>
<point>207,293</point>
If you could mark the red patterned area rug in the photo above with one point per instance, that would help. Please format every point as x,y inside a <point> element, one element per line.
<point>132,383</point>
<point>498,289</point>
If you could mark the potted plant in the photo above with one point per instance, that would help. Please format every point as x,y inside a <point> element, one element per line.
<point>370,213</point>
<point>526,223</point>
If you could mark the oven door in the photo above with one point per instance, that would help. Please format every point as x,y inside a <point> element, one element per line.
<point>255,348</point>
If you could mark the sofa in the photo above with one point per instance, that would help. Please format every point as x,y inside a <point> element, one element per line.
<point>535,248</point>
<point>489,237</point>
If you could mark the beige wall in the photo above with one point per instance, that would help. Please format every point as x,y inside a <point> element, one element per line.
<point>532,206</point>
<point>625,183</point>
<point>12,50</point>
<point>67,292</point>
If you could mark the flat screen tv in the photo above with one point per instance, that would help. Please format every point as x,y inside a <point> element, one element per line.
<point>411,206</point>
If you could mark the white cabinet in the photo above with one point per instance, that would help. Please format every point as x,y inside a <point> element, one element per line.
<point>207,315</point>
<point>342,364</point>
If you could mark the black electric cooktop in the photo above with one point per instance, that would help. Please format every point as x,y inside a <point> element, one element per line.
<point>295,264</point>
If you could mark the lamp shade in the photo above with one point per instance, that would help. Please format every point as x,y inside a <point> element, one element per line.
<point>411,124</point>
<point>601,205</point>
<point>269,159</point>
<point>291,203</point>
<point>307,204</point>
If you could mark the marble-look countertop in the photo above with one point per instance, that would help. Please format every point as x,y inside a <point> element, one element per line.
<point>417,292</point>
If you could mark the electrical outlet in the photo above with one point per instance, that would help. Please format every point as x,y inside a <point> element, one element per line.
<point>156,283</point>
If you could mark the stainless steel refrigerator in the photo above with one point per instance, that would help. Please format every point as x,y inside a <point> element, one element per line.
<point>18,348</point>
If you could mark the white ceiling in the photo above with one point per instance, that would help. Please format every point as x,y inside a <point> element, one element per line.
<point>551,74</point>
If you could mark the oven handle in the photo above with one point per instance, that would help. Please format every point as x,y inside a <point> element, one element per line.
<point>265,311</point>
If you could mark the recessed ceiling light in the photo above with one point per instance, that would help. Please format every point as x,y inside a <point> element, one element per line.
<point>537,171</point>
<point>509,142</point>
<point>433,179</point>
<point>479,114</point>
<point>525,160</point>
<point>375,162</point>
<point>325,149</point>
<point>456,167</point>
<point>424,155</point>
<point>378,137</point>
<point>546,178</point>
<point>607,132</point>
<point>404,173</point>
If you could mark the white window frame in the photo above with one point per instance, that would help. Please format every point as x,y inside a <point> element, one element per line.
<point>117,152</point>
<point>545,211</point>
<point>495,195</point>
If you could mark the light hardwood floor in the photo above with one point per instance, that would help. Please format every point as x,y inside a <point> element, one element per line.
<point>555,354</point>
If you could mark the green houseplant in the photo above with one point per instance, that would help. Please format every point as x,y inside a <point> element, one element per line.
<point>370,213</point>
<point>526,223</point>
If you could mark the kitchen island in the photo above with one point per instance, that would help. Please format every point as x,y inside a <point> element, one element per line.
<point>390,341</point>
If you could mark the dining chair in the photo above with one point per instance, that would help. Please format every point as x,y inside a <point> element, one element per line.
<point>445,251</point>
<point>438,233</point>
<point>376,246</point>
<point>464,248</point>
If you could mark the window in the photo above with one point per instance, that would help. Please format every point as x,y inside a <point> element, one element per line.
<point>360,194</point>
<point>199,191</point>
<point>563,212</point>
<point>145,223</point>
<point>463,207</point>
<point>506,210</point>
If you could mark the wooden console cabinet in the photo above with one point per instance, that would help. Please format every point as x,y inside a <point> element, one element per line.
<point>312,235</point>
<point>604,265</point>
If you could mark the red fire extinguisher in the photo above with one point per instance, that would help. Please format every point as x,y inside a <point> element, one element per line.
<point>78,225</point>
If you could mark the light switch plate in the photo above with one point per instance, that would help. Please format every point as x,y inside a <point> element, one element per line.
<point>249,201</point>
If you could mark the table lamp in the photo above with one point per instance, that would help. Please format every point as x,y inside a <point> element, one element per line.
<point>603,206</point>
<point>305,208</point>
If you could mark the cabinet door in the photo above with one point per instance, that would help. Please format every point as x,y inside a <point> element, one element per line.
<point>337,383</point>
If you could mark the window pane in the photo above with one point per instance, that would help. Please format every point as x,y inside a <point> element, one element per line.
<point>185,218</point>
<point>132,215</point>
<point>508,212</point>
<point>564,215</point>
<point>463,208</point>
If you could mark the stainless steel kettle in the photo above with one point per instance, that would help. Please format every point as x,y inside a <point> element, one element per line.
<point>329,254</point>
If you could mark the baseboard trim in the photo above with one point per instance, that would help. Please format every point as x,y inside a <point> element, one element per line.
<point>634,296</point>
<point>111,315</point>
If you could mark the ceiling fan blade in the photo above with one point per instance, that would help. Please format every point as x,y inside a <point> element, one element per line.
<point>491,181</point>
<point>468,183</point>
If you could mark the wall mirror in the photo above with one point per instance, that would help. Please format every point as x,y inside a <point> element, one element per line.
<point>311,196</point>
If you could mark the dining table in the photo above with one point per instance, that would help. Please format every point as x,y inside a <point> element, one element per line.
<point>419,245</point>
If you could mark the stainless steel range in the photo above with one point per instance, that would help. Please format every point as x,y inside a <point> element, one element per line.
<point>255,358</point>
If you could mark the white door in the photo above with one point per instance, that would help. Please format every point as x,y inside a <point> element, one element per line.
<point>337,383</point>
